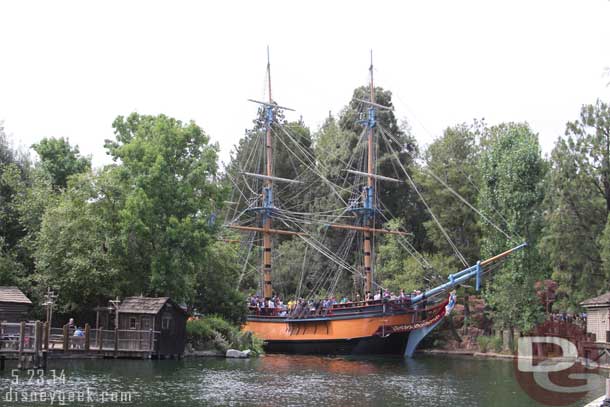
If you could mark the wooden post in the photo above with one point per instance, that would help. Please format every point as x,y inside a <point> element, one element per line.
<point>116,341</point>
<point>87,337</point>
<point>152,343</point>
<point>66,344</point>
<point>45,335</point>
<point>21,344</point>
<point>38,338</point>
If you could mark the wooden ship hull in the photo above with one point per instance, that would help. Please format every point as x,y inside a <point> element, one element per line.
<point>346,330</point>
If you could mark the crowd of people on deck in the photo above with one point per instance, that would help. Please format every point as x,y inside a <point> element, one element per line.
<point>301,307</point>
<point>572,318</point>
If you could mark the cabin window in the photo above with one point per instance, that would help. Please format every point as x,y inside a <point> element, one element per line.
<point>132,323</point>
<point>145,323</point>
<point>166,323</point>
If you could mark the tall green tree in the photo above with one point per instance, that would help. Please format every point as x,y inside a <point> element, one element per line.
<point>577,202</point>
<point>60,160</point>
<point>168,170</point>
<point>512,173</point>
<point>72,254</point>
<point>453,159</point>
<point>216,283</point>
<point>15,175</point>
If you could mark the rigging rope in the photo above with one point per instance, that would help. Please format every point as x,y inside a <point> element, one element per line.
<point>442,229</point>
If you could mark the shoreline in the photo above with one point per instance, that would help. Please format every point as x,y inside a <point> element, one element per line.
<point>471,353</point>
<point>479,355</point>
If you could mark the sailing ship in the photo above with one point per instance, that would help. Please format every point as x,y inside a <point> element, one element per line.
<point>363,326</point>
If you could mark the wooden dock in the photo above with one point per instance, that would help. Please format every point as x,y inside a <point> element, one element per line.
<point>32,343</point>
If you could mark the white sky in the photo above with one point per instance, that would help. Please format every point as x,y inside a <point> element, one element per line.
<point>67,69</point>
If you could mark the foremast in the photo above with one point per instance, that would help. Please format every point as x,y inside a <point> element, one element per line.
<point>268,192</point>
<point>369,203</point>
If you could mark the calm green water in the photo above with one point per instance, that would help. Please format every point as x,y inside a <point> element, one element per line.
<point>278,380</point>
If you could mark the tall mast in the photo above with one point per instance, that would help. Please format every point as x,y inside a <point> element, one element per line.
<point>268,193</point>
<point>370,194</point>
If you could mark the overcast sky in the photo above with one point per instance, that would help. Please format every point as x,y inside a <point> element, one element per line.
<point>67,69</point>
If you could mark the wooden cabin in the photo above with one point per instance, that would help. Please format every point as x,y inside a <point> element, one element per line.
<point>14,305</point>
<point>161,315</point>
<point>598,317</point>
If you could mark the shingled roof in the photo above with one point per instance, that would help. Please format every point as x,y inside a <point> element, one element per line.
<point>14,295</point>
<point>145,305</point>
<point>602,300</point>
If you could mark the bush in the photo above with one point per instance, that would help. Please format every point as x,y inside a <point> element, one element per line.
<point>483,342</point>
<point>487,343</point>
<point>213,332</point>
<point>496,344</point>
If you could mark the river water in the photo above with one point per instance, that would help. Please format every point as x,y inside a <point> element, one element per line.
<point>272,380</point>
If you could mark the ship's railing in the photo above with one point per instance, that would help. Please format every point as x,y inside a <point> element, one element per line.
<point>346,309</point>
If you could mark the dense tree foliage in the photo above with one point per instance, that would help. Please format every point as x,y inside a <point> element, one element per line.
<point>577,205</point>
<point>453,158</point>
<point>168,172</point>
<point>145,225</point>
<point>60,160</point>
<point>512,174</point>
<point>72,253</point>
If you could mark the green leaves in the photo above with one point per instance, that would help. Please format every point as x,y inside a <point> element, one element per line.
<point>512,174</point>
<point>454,158</point>
<point>167,172</point>
<point>578,202</point>
<point>72,252</point>
<point>141,226</point>
<point>60,160</point>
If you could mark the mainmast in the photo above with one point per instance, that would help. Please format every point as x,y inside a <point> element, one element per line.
<point>370,191</point>
<point>268,193</point>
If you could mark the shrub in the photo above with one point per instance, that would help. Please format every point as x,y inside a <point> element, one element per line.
<point>484,342</point>
<point>213,332</point>
<point>496,344</point>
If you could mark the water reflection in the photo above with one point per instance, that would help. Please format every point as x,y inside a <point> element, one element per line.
<point>276,380</point>
<point>322,364</point>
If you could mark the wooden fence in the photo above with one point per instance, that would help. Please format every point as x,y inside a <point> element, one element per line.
<point>33,340</point>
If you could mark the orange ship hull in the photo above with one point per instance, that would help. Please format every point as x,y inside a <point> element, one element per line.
<point>357,330</point>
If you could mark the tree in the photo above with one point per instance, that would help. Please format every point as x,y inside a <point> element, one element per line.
<point>592,136</point>
<point>15,173</point>
<point>72,253</point>
<point>577,202</point>
<point>167,220</point>
<point>216,284</point>
<point>512,173</point>
<point>399,269</point>
<point>14,176</point>
<point>574,221</point>
<point>453,158</point>
<point>60,160</point>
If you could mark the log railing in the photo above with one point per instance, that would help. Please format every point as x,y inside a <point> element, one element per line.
<point>27,337</point>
